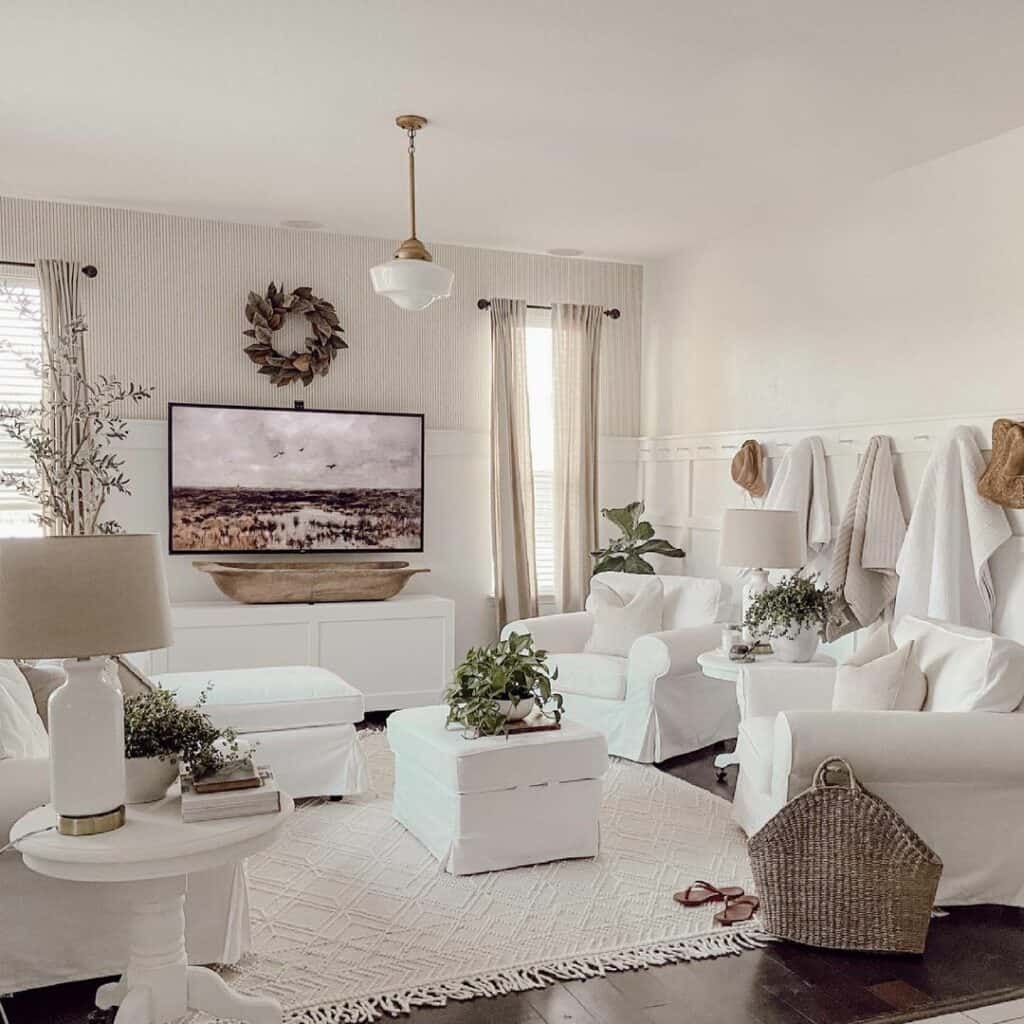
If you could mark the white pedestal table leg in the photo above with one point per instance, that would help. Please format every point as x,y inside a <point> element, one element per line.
<point>158,986</point>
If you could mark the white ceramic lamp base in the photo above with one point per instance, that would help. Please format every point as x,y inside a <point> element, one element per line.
<point>87,786</point>
<point>757,584</point>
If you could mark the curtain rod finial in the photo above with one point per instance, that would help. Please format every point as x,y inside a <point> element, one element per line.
<point>483,304</point>
<point>89,270</point>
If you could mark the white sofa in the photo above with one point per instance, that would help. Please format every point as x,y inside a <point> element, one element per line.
<point>954,770</point>
<point>656,703</point>
<point>53,931</point>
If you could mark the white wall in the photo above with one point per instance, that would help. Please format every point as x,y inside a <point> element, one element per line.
<point>906,301</point>
<point>167,310</point>
<point>901,312</point>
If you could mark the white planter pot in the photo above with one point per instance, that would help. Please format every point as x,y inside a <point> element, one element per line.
<point>800,646</point>
<point>516,712</point>
<point>147,778</point>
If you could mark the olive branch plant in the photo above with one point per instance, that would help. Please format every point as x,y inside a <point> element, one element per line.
<point>69,437</point>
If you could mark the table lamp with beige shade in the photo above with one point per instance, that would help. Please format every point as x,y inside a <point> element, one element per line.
<point>760,539</point>
<point>84,599</point>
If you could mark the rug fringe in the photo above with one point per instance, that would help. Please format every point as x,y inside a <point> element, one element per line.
<point>521,979</point>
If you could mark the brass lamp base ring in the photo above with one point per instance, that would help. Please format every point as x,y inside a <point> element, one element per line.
<point>90,824</point>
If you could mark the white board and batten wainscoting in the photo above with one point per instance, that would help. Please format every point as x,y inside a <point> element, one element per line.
<point>398,653</point>
<point>687,484</point>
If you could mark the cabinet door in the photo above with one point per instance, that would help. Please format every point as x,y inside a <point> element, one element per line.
<point>202,648</point>
<point>395,663</point>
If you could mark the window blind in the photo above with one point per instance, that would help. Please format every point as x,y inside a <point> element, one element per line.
<point>21,333</point>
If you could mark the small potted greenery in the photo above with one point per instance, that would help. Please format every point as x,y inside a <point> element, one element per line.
<point>625,553</point>
<point>160,736</point>
<point>792,614</point>
<point>500,684</point>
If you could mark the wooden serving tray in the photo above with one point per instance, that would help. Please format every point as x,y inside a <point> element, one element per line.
<point>538,724</point>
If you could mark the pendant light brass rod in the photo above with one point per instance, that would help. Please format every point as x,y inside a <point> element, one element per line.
<point>412,182</point>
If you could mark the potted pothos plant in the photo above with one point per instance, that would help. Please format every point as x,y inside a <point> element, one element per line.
<point>792,615</point>
<point>626,553</point>
<point>161,736</point>
<point>500,684</point>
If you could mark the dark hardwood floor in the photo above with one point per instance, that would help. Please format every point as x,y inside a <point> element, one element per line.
<point>975,956</point>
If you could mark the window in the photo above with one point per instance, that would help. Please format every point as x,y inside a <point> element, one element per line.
<point>540,384</point>
<point>20,350</point>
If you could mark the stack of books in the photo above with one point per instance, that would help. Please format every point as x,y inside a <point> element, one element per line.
<point>238,792</point>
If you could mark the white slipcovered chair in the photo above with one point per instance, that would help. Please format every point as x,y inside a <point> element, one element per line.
<point>954,770</point>
<point>656,703</point>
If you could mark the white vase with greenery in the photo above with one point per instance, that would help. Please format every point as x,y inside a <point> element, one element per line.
<point>792,615</point>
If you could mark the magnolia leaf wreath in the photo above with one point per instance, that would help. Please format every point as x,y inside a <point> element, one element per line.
<point>267,313</point>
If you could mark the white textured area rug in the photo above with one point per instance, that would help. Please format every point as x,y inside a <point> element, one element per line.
<point>354,920</point>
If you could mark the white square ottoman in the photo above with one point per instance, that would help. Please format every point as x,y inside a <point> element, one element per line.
<point>302,719</point>
<point>496,802</point>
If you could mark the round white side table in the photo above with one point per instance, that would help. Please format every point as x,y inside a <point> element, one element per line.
<point>716,665</point>
<point>150,856</point>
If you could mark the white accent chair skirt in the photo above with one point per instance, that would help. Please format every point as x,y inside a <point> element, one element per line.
<point>495,802</point>
<point>656,703</point>
<point>301,717</point>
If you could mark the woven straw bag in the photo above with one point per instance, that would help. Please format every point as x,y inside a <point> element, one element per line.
<point>837,867</point>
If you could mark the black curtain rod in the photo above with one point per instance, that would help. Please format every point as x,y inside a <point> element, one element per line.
<point>89,270</point>
<point>612,314</point>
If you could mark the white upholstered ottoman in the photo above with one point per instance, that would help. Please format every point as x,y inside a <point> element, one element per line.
<point>302,718</point>
<point>496,802</point>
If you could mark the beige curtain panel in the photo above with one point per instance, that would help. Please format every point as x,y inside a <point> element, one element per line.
<point>58,287</point>
<point>576,352</point>
<point>515,571</point>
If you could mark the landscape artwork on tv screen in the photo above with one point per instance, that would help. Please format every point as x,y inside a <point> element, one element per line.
<point>280,480</point>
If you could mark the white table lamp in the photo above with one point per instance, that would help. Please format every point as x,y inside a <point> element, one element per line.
<point>83,599</point>
<point>760,539</point>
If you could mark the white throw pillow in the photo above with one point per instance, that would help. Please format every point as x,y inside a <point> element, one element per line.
<point>22,733</point>
<point>875,680</point>
<point>967,669</point>
<point>617,624</point>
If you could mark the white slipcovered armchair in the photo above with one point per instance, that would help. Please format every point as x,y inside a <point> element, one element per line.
<point>656,703</point>
<point>956,775</point>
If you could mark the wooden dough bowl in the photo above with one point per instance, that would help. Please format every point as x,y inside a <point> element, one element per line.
<point>308,582</point>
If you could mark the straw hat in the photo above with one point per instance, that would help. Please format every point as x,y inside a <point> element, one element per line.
<point>748,469</point>
<point>1003,480</point>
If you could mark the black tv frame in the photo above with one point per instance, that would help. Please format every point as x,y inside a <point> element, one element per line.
<point>297,411</point>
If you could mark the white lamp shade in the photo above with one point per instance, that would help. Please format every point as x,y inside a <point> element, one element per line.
<point>761,538</point>
<point>412,284</point>
<point>78,597</point>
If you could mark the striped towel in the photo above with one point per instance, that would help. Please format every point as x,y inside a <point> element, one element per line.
<point>868,545</point>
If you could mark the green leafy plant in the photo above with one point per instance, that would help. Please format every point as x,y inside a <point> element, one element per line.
<point>512,670</point>
<point>625,553</point>
<point>156,726</point>
<point>795,604</point>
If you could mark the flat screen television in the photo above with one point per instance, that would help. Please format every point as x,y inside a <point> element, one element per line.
<point>246,479</point>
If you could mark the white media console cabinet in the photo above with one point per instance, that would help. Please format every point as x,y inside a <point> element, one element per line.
<point>399,653</point>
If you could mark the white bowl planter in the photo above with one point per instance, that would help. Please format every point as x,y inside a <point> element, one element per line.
<point>516,712</point>
<point>800,646</point>
<point>147,778</point>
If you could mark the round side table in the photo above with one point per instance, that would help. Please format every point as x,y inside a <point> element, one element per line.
<point>151,856</point>
<point>716,665</point>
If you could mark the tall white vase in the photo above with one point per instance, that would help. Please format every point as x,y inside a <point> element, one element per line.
<point>87,785</point>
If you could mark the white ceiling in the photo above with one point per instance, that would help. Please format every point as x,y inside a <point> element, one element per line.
<point>628,129</point>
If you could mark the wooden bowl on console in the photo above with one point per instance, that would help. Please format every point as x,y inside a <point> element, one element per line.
<point>308,582</point>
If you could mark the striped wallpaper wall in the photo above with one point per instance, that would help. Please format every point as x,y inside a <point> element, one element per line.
<point>167,309</point>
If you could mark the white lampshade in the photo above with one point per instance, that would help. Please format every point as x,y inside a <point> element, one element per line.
<point>412,284</point>
<point>761,538</point>
<point>77,597</point>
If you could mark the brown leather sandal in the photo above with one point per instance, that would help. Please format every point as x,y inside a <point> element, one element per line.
<point>737,910</point>
<point>699,893</point>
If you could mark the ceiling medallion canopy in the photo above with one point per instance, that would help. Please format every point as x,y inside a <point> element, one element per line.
<point>412,280</point>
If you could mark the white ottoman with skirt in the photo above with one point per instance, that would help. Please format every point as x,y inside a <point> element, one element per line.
<point>301,718</point>
<point>497,802</point>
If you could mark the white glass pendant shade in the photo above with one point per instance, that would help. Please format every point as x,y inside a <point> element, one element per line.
<point>412,284</point>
